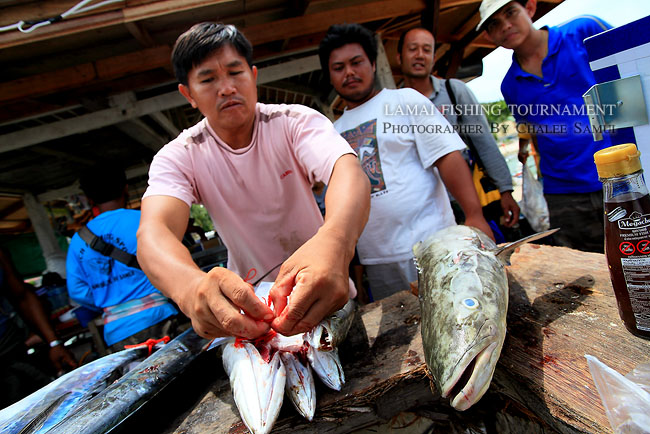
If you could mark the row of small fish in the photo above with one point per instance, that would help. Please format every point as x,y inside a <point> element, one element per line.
<point>263,370</point>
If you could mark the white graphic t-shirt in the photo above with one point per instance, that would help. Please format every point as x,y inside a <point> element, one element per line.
<point>398,136</point>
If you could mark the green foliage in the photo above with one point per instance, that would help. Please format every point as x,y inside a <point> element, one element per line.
<point>201,217</point>
<point>497,112</point>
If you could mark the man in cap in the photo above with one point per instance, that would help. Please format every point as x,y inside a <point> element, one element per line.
<point>544,86</point>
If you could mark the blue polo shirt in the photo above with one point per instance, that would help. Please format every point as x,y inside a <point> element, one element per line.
<point>553,108</point>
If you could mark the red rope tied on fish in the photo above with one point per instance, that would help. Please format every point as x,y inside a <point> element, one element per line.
<point>149,343</point>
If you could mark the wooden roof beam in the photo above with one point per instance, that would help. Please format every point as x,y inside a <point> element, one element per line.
<point>121,15</point>
<point>105,69</point>
<point>320,21</point>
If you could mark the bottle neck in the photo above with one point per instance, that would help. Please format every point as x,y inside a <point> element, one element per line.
<point>625,187</point>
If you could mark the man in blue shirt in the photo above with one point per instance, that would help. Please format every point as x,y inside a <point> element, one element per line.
<point>133,309</point>
<point>544,88</point>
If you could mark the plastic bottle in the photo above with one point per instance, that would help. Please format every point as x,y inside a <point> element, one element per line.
<point>627,233</point>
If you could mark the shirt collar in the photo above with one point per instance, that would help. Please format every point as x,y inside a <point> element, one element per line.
<point>436,87</point>
<point>554,40</point>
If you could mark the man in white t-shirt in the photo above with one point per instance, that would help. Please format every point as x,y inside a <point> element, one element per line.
<point>407,149</point>
<point>252,166</point>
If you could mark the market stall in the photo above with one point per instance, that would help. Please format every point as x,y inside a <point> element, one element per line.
<point>561,308</point>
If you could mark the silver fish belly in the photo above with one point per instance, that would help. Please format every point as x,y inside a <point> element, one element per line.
<point>464,300</point>
<point>288,364</point>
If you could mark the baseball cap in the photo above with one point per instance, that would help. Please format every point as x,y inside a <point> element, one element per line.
<point>489,8</point>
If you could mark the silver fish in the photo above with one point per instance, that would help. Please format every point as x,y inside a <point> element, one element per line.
<point>300,386</point>
<point>327,366</point>
<point>463,292</point>
<point>114,404</point>
<point>258,396</point>
<point>49,405</point>
<point>257,384</point>
<point>330,332</point>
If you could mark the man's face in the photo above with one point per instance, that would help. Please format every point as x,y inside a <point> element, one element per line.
<point>352,74</point>
<point>416,58</point>
<point>223,88</point>
<point>510,25</point>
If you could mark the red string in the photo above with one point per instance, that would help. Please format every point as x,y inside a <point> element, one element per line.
<point>149,343</point>
<point>250,276</point>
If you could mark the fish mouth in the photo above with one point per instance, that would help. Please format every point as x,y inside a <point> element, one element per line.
<point>472,375</point>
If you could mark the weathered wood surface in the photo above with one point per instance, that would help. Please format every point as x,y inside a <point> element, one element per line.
<point>561,307</point>
<point>555,317</point>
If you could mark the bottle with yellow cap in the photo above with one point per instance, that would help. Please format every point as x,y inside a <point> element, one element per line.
<point>627,233</point>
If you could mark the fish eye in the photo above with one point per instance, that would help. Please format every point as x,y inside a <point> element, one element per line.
<point>470,303</point>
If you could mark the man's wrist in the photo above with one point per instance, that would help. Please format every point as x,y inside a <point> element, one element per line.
<point>55,343</point>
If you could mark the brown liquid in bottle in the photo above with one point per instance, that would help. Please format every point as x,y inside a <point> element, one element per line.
<point>627,242</point>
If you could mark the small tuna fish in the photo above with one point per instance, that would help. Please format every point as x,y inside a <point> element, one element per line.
<point>300,386</point>
<point>463,292</point>
<point>257,384</point>
<point>255,367</point>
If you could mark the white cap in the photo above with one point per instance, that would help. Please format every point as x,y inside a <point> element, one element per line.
<point>488,8</point>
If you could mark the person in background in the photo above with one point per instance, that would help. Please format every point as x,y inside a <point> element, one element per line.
<point>252,166</point>
<point>407,162</point>
<point>19,377</point>
<point>133,309</point>
<point>545,83</point>
<point>415,55</point>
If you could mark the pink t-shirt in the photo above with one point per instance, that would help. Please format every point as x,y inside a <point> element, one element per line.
<point>259,197</point>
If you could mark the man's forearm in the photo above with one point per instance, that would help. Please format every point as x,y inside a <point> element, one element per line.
<point>347,201</point>
<point>458,180</point>
<point>165,261</point>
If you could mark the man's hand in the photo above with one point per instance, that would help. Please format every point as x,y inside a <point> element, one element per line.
<point>510,209</point>
<point>479,222</point>
<point>215,306</point>
<point>60,358</point>
<point>312,284</point>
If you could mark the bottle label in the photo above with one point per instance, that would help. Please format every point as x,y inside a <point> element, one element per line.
<point>633,245</point>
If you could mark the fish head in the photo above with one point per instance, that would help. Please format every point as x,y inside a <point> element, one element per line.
<point>463,298</point>
<point>477,332</point>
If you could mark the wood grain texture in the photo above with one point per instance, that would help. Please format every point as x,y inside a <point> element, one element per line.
<point>561,307</point>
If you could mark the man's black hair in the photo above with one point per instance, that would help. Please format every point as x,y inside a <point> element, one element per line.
<point>339,35</point>
<point>103,182</point>
<point>201,40</point>
<point>400,43</point>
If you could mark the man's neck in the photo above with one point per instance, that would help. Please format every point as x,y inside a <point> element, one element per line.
<point>355,104</point>
<point>111,205</point>
<point>237,138</point>
<point>533,49</point>
<point>421,84</point>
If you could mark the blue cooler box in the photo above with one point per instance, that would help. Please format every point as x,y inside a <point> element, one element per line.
<point>623,53</point>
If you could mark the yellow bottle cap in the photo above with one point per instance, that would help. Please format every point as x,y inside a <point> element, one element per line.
<point>619,160</point>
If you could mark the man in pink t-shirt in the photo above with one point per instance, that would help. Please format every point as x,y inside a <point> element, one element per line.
<point>252,166</point>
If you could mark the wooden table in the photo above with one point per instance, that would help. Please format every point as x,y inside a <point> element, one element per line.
<point>561,307</point>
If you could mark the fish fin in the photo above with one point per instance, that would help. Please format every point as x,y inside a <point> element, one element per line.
<point>505,252</point>
<point>35,424</point>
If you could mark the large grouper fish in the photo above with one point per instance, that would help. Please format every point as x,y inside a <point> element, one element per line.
<point>463,291</point>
